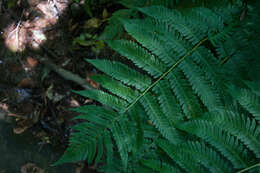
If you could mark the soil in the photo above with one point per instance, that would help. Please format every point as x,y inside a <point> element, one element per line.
<point>37,54</point>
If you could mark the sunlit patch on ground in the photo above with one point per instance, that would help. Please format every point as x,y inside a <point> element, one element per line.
<point>31,32</point>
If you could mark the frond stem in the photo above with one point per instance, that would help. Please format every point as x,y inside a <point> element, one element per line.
<point>164,74</point>
<point>250,167</point>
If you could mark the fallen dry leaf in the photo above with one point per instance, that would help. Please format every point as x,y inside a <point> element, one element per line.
<point>31,168</point>
<point>19,130</point>
<point>22,125</point>
<point>26,83</point>
<point>4,107</point>
<point>91,82</point>
<point>74,103</point>
<point>88,101</point>
<point>79,168</point>
<point>31,62</point>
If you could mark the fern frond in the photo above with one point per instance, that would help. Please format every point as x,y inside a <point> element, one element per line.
<point>83,143</point>
<point>207,157</point>
<point>160,166</point>
<point>201,86</point>
<point>139,126</point>
<point>199,153</point>
<point>208,63</point>
<point>121,144</point>
<point>145,32</point>
<point>200,16</point>
<point>143,169</point>
<point>115,87</point>
<point>188,101</point>
<point>227,144</point>
<point>138,55</point>
<point>109,149</point>
<point>122,73</point>
<point>187,65</point>
<point>176,21</point>
<point>222,35</point>
<point>238,125</point>
<point>177,45</point>
<point>248,100</point>
<point>171,100</point>
<point>168,102</point>
<point>160,120</point>
<point>254,87</point>
<point>105,98</point>
<point>180,157</point>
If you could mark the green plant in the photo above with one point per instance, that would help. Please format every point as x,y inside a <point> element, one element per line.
<point>184,104</point>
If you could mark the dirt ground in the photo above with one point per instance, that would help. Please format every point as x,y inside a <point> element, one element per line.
<point>42,61</point>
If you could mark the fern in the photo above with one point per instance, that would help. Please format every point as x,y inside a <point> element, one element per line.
<point>173,109</point>
<point>198,153</point>
<point>248,100</point>
<point>222,140</point>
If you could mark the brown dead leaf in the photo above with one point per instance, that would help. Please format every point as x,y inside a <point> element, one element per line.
<point>17,116</point>
<point>4,107</point>
<point>26,83</point>
<point>79,168</point>
<point>74,103</point>
<point>91,82</point>
<point>88,101</point>
<point>31,62</point>
<point>19,130</point>
<point>31,168</point>
<point>22,125</point>
<point>12,40</point>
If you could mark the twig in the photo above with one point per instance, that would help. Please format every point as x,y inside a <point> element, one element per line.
<point>62,72</point>
<point>16,30</point>
<point>67,75</point>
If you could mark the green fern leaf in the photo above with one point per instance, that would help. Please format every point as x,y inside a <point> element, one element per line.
<point>122,73</point>
<point>240,126</point>
<point>184,94</point>
<point>173,106</point>
<point>198,152</point>
<point>228,145</point>
<point>83,142</point>
<point>122,147</point>
<point>139,56</point>
<point>159,166</point>
<point>254,86</point>
<point>115,87</point>
<point>176,21</point>
<point>180,157</point>
<point>159,119</point>
<point>248,100</point>
<point>104,98</point>
<point>168,102</point>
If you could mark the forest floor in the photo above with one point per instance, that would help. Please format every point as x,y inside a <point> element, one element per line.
<point>42,52</point>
